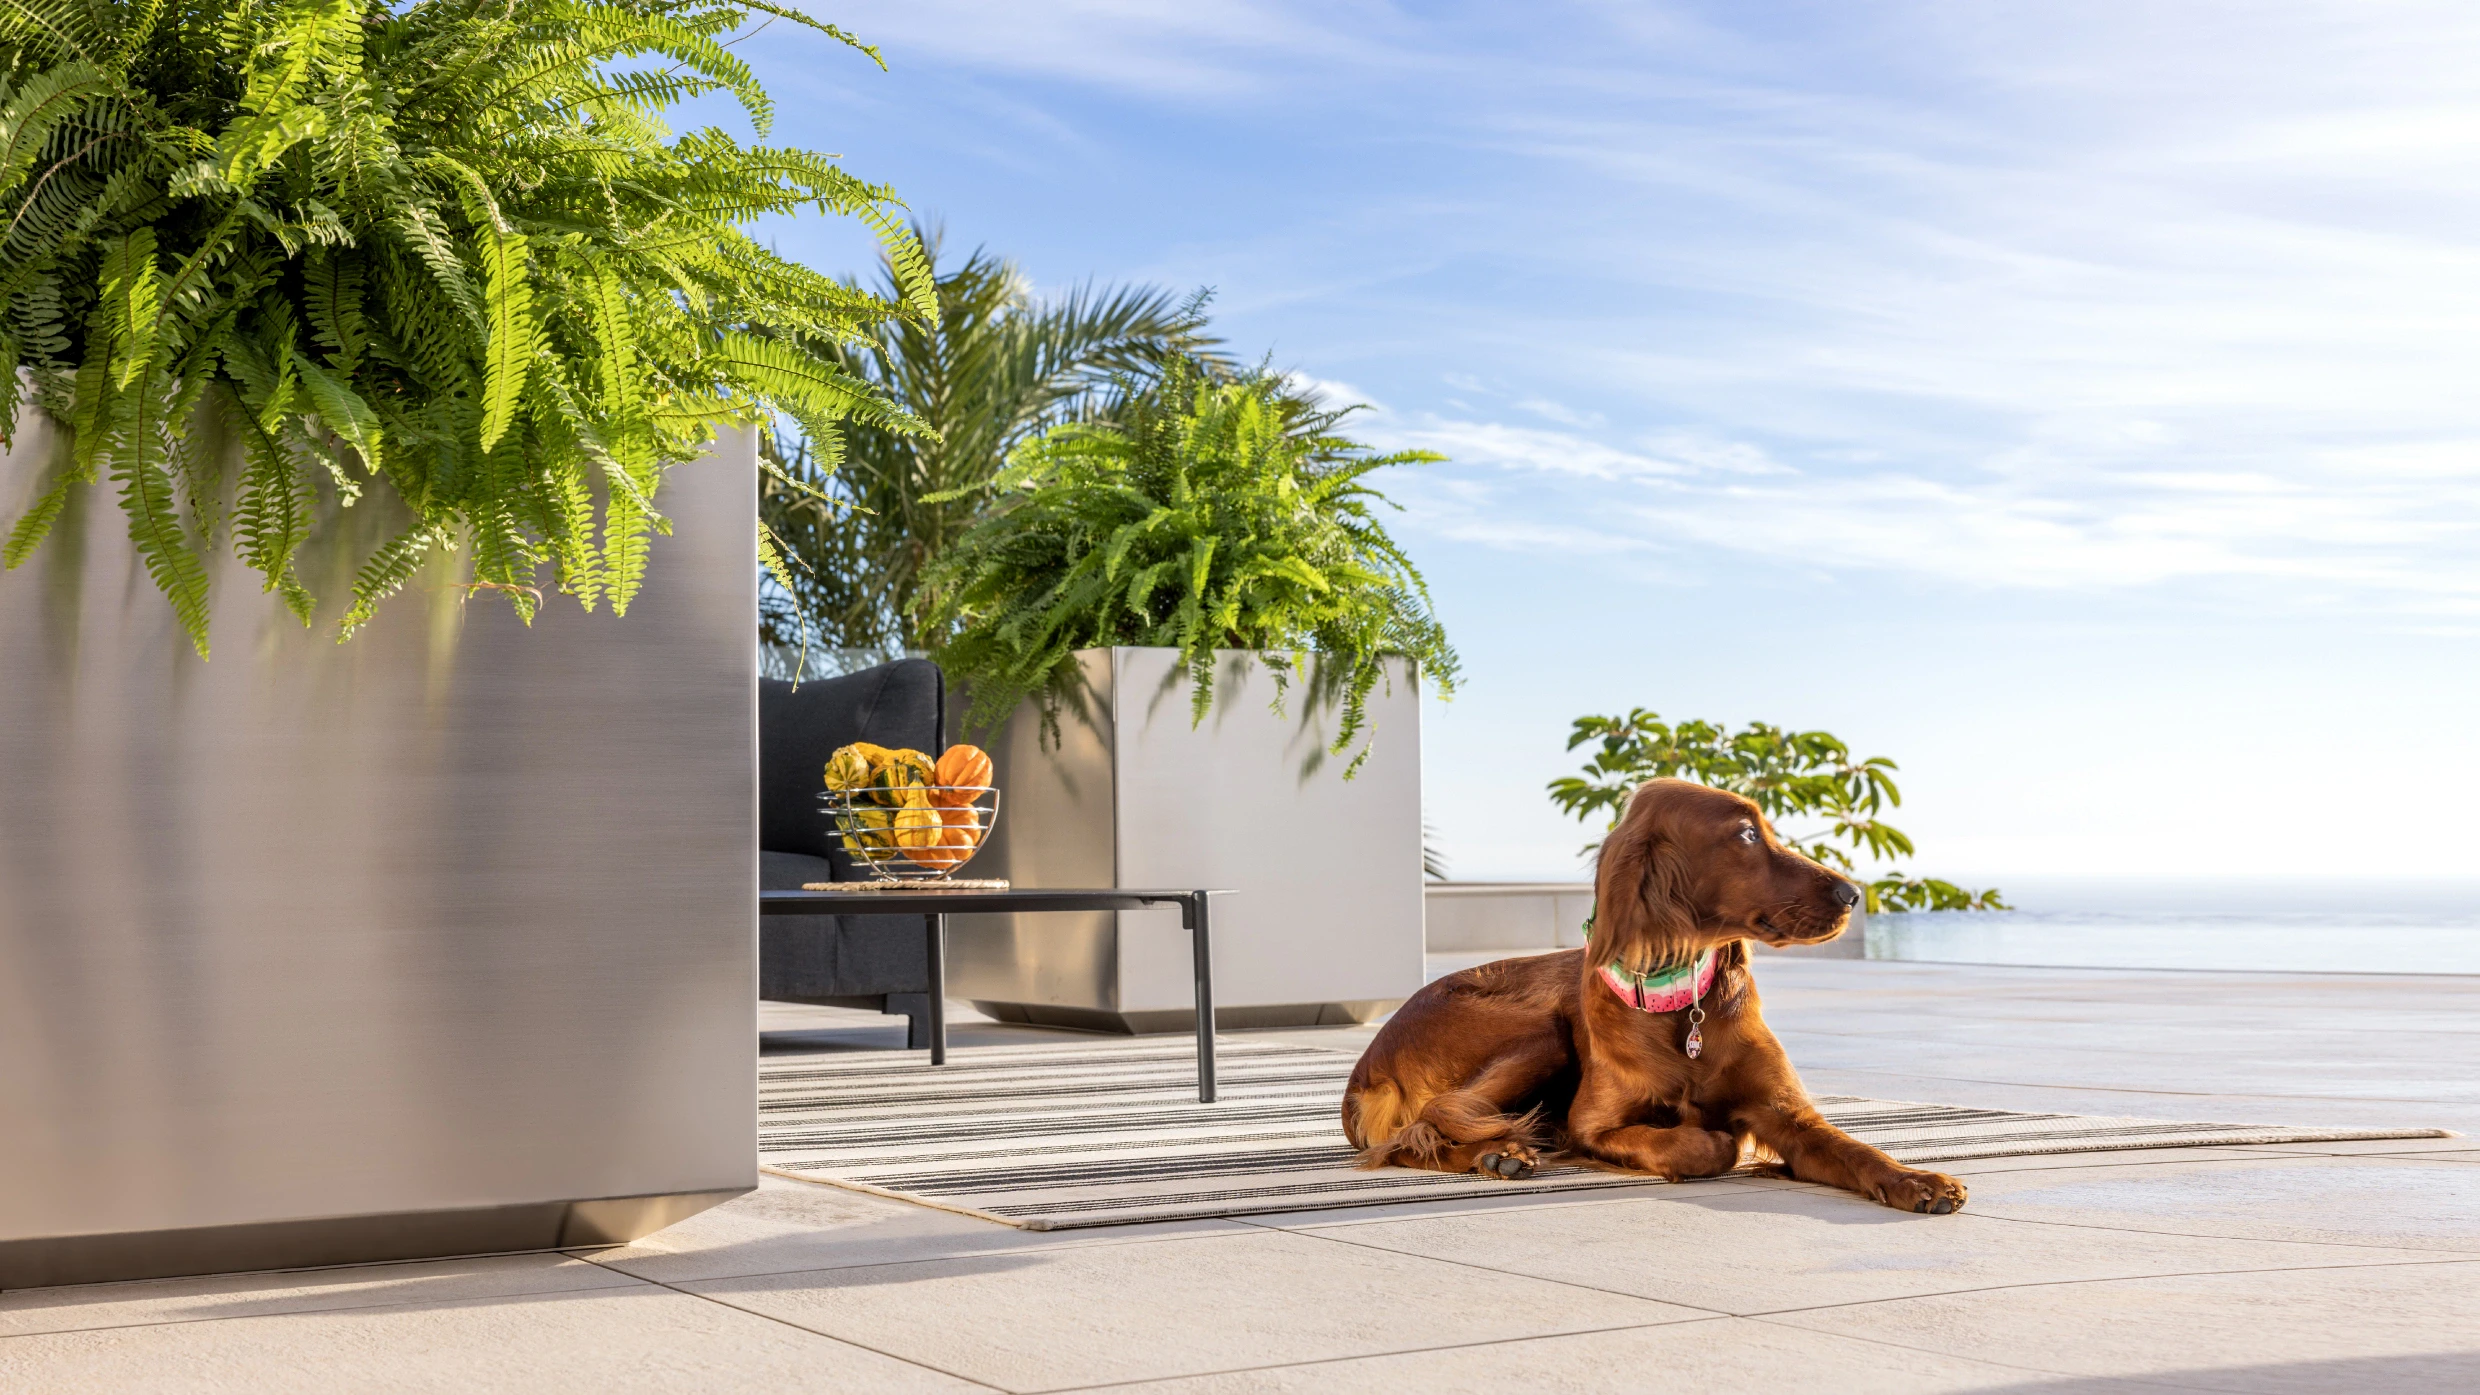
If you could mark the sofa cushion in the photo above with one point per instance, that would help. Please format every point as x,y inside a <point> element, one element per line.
<point>899,704</point>
<point>833,956</point>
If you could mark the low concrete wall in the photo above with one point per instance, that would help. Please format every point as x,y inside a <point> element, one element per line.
<point>1531,917</point>
<point>1464,917</point>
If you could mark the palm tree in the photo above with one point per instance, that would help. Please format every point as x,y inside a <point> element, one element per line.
<point>861,516</point>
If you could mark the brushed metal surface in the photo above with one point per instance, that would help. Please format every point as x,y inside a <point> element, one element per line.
<point>457,916</point>
<point>1327,922</point>
<point>1056,833</point>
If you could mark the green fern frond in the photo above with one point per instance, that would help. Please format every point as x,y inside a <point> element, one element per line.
<point>332,296</point>
<point>386,573</point>
<point>507,306</point>
<point>36,523</point>
<point>451,251</point>
<point>342,409</point>
<point>141,470</point>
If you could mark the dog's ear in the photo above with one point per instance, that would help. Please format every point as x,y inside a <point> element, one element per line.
<point>1641,913</point>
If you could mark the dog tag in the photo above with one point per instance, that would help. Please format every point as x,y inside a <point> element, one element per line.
<point>1696,1041</point>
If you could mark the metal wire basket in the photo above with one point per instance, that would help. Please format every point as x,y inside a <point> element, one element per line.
<point>912,833</point>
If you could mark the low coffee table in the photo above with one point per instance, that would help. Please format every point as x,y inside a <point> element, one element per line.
<point>934,907</point>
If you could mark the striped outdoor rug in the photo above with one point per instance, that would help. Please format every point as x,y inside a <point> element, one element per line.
<point>1107,1132</point>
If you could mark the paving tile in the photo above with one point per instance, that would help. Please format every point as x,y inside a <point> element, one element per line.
<point>595,1342</point>
<point>1755,1252</point>
<point>1057,1318</point>
<point>2290,1331</point>
<point>787,1225</point>
<point>89,1306</point>
<point>1723,1354</point>
<point>2398,1201</point>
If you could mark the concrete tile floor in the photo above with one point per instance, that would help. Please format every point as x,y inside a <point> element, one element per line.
<point>2311,1267</point>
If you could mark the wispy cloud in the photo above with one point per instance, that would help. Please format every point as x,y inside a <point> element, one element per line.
<point>2110,360</point>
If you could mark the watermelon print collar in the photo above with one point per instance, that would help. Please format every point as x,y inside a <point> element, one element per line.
<point>1663,990</point>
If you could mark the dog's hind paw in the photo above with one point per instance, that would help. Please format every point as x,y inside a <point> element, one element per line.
<point>1515,1161</point>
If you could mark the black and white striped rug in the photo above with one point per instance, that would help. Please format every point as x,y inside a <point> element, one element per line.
<point>1107,1132</point>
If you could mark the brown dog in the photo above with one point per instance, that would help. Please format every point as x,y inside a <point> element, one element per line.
<point>1487,1069</point>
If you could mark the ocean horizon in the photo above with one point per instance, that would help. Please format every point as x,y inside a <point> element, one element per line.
<point>2285,924</point>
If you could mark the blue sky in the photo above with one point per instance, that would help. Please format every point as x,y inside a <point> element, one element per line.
<point>2078,403</point>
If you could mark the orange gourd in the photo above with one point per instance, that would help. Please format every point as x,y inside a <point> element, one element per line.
<point>959,837</point>
<point>962,765</point>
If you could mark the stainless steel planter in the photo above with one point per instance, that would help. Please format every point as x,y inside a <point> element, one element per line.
<point>1327,923</point>
<point>441,941</point>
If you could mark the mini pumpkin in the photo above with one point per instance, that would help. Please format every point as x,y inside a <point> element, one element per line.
<point>960,835</point>
<point>962,766</point>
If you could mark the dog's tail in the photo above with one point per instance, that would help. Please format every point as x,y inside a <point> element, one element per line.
<point>1446,1121</point>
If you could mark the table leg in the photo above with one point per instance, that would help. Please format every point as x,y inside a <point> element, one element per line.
<point>936,926</point>
<point>1201,950</point>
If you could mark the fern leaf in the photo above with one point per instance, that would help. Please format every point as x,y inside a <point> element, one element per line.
<point>507,311</point>
<point>332,294</point>
<point>139,467</point>
<point>36,523</point>
<point>47,101</point>
<point>342,409</point>
<point>270,512</point>
<point>780,371</point>
<point>385,574</point>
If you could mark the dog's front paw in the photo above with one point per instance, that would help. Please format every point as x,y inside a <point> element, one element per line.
<point>1931,1193</point>
<point>1511,1161</point>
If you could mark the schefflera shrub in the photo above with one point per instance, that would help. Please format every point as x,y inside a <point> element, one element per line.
<point>446,248</point>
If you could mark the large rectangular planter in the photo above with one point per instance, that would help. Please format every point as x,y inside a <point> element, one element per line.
<point>441,941</point>
<point>1325,922</point>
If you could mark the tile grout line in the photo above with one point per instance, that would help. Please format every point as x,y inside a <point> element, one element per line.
<point>330,1309</point>
<point>933,1259</point>
<point>2132,1381</point>
<point>1379,1355</point>
<point>805,1331</point>
<point>2446,1257</point>
<point>2473,1254</point>
<point>1516,1274</point>
<point>2113,1279</point>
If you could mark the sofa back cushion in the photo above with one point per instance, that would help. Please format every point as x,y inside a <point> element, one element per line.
<point>898,704</point>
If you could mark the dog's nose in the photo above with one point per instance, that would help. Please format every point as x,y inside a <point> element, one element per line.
<point>1846,893</point>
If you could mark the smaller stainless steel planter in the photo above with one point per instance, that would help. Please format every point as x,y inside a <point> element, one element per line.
<point>1326,922</point>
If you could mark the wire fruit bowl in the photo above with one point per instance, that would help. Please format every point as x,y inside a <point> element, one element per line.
<point>912,833</point>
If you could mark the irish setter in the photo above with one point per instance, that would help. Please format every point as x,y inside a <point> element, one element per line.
<point>1490,1069</point>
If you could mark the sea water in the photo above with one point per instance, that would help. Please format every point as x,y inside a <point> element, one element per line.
<point>2299,924</point>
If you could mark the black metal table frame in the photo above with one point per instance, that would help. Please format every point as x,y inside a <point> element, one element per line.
<point>934,907</point>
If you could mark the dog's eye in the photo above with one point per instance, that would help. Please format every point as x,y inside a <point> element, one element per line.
<point>1749,835</point>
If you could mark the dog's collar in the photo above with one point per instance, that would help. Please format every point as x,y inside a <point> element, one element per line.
<point>1663,990</point>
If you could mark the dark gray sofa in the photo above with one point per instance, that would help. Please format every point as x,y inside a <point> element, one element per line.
<point>874,961</point>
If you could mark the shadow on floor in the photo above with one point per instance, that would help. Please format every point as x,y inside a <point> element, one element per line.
<point>2446,1373</point>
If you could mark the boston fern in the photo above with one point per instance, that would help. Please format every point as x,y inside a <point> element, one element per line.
<point>447,246</point>
<point>1212,514</point>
